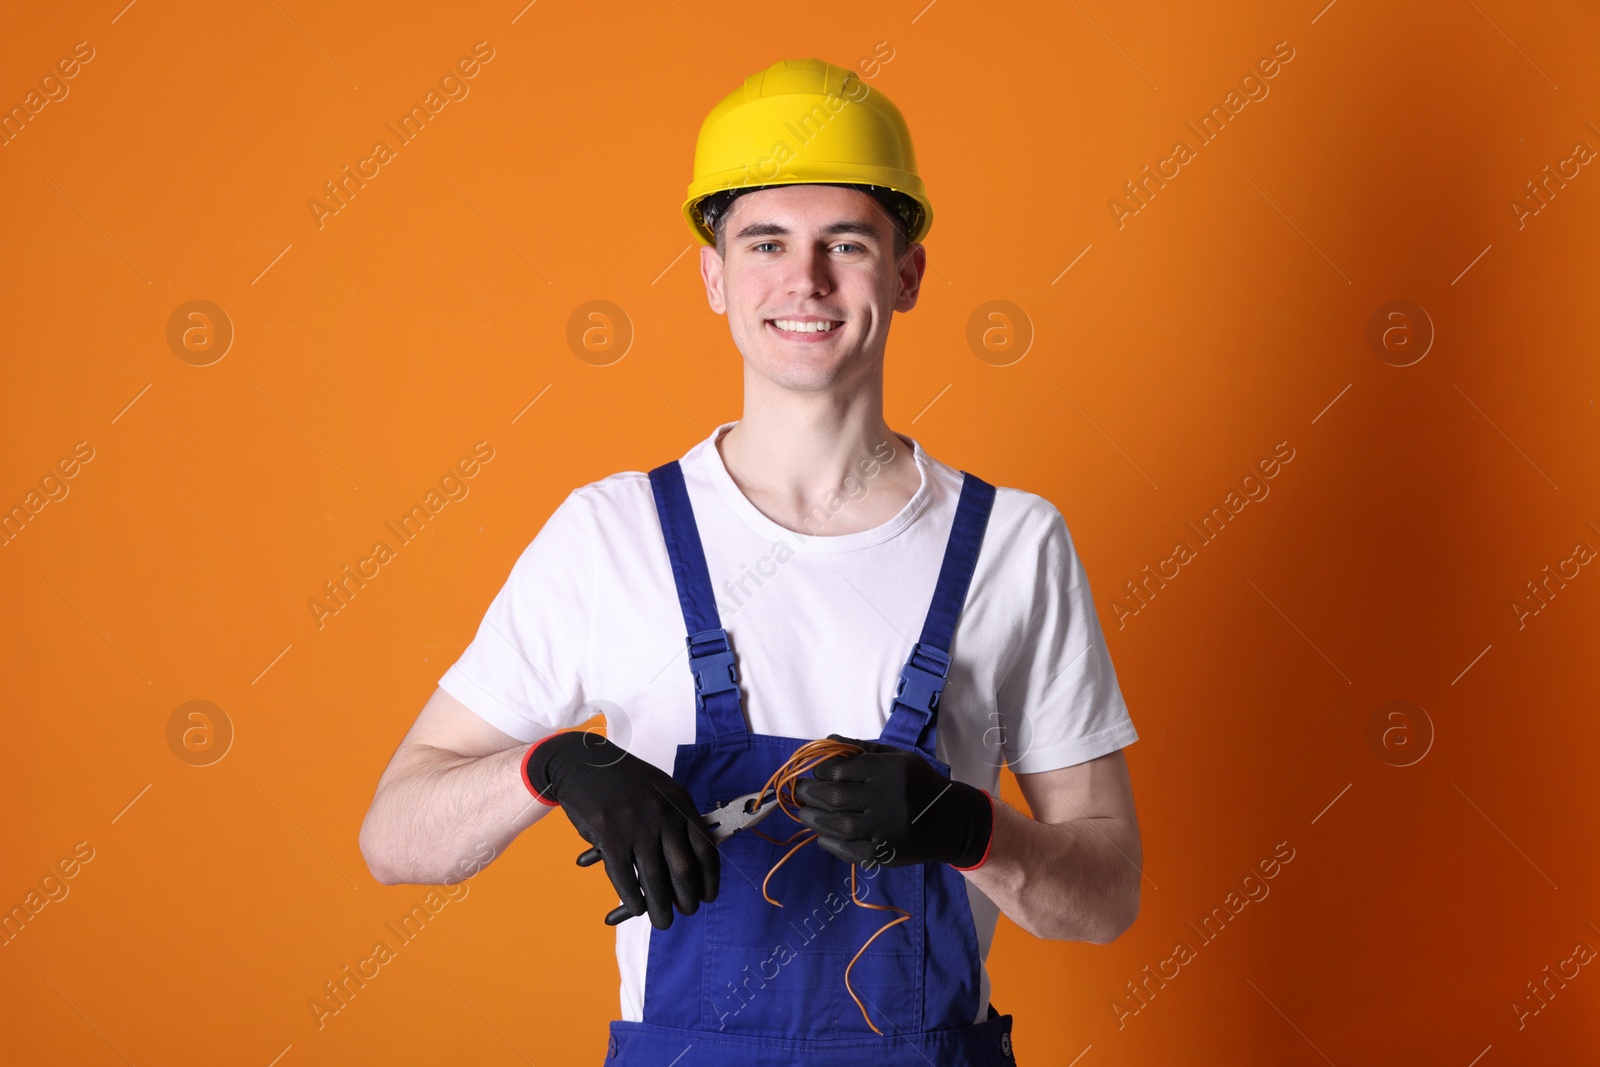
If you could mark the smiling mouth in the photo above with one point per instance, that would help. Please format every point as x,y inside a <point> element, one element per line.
<point>803,328</point>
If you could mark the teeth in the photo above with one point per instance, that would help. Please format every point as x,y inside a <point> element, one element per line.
<point>804,327</point>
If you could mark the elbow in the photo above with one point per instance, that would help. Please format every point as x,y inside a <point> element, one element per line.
<point>377,860</point>
<point>1112,921</point>
<point>1122,908</point>
<point>1119,919</point>
<point>1122,902</point>
<point>384,875</point>
<point>1098,924</point>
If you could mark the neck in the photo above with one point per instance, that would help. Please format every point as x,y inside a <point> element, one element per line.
<point>819,463</point>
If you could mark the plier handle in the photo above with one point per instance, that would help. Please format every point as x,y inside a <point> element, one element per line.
<point>737,814</point>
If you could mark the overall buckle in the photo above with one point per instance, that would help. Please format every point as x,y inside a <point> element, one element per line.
<point>714,670</point>
<point>919,687</point>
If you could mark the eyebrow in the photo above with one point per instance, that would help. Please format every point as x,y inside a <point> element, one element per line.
<point>858,227</point>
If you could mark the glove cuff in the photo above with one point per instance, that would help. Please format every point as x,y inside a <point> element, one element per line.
<point>984,837</point>
<point>535,767</point>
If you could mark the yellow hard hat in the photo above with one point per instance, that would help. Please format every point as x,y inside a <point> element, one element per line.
<point>803,121</point>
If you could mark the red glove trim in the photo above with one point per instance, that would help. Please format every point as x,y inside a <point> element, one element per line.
<point>990,843</point>
<point>524,772</point>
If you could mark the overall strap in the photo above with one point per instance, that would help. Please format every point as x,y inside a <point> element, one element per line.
<point>718,711</point>
<point>914,713</point>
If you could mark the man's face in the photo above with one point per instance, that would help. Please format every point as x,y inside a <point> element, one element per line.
<point>810,252</point>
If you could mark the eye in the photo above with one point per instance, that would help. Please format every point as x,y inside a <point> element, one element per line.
<point>765,244</point>
<point>848,244</point>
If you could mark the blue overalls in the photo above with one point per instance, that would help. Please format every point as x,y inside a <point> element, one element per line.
<point>741,983</point>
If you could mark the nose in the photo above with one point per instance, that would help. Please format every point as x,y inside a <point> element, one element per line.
<point>808,270</point>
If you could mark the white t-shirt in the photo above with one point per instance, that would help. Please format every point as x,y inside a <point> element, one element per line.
<point>589,621</point>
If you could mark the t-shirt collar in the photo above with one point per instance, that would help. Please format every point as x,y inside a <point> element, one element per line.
<point>710,457</point>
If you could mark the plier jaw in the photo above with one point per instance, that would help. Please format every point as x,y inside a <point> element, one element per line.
<point>723,821</point>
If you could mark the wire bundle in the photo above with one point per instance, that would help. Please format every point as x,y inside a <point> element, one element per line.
<point>782,783</point>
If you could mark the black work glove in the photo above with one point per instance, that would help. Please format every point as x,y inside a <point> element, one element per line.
<point>889,806</point>
<point>638,818</point>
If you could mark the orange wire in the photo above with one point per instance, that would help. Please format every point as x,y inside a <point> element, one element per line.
<point>782,783</point>
<point>904,915</point>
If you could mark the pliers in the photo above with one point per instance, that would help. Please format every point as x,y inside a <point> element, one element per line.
<point>737,814</point>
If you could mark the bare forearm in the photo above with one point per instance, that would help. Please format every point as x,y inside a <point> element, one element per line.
<point>443,817</point>
<point>1073,881</point>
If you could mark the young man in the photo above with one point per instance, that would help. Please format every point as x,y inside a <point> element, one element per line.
<point>802,573</point>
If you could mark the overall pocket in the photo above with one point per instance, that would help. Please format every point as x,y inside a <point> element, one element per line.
<point>780,971</point>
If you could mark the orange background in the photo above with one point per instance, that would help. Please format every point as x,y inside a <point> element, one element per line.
<point>1229,314</point>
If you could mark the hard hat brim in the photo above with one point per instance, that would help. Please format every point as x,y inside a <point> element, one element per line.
<point>818,174</point>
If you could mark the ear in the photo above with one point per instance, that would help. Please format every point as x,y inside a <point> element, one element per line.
<point>711,265</point>
<point>909,277</point>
